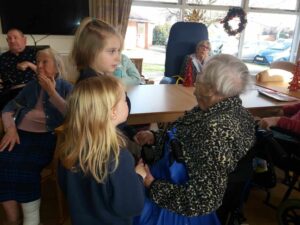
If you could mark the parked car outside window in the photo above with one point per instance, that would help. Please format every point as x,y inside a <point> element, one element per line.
<point>253,48</point>
<point>279,51</point>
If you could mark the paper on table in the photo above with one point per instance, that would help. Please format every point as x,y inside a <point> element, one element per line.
<point>277,95</point>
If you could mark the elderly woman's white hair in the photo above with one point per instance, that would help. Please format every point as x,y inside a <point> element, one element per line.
<point>60,67</point>
<point>228,75</point>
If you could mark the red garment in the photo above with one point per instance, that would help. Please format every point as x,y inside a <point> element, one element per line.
<point>291,119</point>
<point>188,77</point>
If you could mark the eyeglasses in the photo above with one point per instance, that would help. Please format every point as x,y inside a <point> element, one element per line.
<point>197,83</point>
<point>205,47</point>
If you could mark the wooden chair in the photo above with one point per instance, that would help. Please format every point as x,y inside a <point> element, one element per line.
<point>50,173</point>
<point>138,62</point>
<point>279,71</point>
<point>288,66</point>
<point>62,204</point>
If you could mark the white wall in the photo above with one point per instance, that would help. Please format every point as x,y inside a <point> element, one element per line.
<point>60,43</point>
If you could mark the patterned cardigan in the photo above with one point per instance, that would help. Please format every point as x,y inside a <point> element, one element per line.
<point>212,142</point>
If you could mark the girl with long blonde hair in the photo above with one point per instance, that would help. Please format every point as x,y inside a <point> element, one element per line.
<point>97,173</point>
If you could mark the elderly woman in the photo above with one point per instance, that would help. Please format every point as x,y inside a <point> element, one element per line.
<point>207,142</point>
<point>29,141</point>
<point>192,64</point>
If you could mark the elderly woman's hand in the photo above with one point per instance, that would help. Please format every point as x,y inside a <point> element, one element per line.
<point>268,122</point>
<point>10,138</point>
<point>144,137</point>
<point>149,178</point>
<point>47,83</point>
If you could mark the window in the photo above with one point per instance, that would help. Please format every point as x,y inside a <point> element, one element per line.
<point>268,38</point>
<point>270,34</point>
<point>174,1</point>
<point>215,2</point>
<point>273,4</point>
<point>147,36</point>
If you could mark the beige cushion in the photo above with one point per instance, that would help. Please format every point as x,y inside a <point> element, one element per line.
<point>273,75</point>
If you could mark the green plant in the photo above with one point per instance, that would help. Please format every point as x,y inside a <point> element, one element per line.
<point>160,34</point>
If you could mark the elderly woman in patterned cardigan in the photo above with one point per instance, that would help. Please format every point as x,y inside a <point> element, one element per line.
<point>213,137</point>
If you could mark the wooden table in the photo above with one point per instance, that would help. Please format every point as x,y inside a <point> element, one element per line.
<point>165,103</point>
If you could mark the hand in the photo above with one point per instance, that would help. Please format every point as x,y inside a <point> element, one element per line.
<point>9,140</point>
<point>23,65</point>
<point>144,137</point>
<point>140,169</point>
<point>268,122</point>
<point>149,178</point>
<point>47,83</point>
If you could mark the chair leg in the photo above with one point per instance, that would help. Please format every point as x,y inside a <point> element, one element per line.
<point>267,200</point>
<point>62,206</point>
<point>291,187</point>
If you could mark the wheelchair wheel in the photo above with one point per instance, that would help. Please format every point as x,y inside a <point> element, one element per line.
<point>289,212</point>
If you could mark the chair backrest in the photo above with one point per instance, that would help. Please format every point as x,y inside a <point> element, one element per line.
<point>182,41</point>
<point>288,66</point>
<point>138,62</point>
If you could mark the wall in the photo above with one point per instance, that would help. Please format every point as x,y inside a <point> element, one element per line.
<point>60,43</point>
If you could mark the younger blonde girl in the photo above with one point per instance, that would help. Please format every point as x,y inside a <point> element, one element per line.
<point>97,172</point>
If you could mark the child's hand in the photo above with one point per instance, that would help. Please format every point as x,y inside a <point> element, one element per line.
<point>149,178</point>
<point>144,137</point>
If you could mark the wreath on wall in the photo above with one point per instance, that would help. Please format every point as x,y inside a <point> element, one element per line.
<point>233,13</point>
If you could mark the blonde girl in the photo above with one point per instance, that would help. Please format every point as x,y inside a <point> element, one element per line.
<point>96,49</point>
<point>97,172</point>
<point>97,52</point>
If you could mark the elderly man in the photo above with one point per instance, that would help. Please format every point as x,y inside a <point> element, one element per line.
<point>17,65</point>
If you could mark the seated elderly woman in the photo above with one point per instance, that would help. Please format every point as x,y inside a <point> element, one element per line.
<point>285,129</point>
<point>29,141</point>
<point>193,63</point>
<point>127,72</point>
<point>188,177</point>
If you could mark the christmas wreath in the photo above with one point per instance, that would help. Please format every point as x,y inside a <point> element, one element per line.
<point>232,13</point>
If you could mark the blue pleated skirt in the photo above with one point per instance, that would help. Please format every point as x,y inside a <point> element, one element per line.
<point>20,168</point>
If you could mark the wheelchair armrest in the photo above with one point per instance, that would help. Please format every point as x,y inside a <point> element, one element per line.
<point>285,131</point>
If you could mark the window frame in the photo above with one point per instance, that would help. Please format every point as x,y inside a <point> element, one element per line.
<point>182,5</point>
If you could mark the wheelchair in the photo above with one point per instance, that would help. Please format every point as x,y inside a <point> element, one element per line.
<point>283,150</point>
<point>269,147</point>
<point>239,183</point>
<point>289,212</point>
